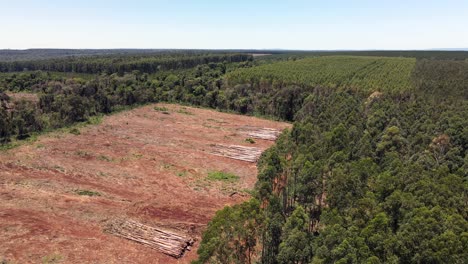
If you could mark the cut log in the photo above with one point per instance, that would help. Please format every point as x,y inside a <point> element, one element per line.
<point>165,241</point>
<point>261,132</point>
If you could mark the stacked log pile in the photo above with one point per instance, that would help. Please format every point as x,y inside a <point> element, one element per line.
<point>250,154</point>
<point>261,132</point>
<point>167,242</point>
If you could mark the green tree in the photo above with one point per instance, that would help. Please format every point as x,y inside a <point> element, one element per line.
<point>296,245</point>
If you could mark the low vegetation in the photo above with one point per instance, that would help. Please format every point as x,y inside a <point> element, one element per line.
<point>250,140</point>
<point>75,131</point>
<point>87,193</point>
<point>161,109</point>
<point>222,176</point>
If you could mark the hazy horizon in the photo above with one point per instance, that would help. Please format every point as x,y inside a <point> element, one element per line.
<point>261,25</point>
<point>221,49</point>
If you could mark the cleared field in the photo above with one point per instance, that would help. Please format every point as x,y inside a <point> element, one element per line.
<point>364,73</point>
<point>150,165</point>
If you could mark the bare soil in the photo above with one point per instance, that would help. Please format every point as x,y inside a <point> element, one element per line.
<point>145,164</point>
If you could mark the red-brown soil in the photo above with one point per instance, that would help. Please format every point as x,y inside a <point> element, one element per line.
<point>146,165</point>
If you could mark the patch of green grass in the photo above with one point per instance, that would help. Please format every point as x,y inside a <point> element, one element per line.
<point>16,143</point>
<point>137,155</point>
<point>9,145</point>
<point>160,109</point>
<point>94,120</point>
<point>102,174</point>
<point>52,258</point>
<point>87,193</point>
<point>75,131</point>
<point>105,158</point>
<point>184,111</point>
<point>250,140</point>
<point>216,121</point>
<point>209,126</point>
<point>182,174</point>
<point>248,191</point>
<point>163,109</point>
<point>167,166</point>
<point>222,176</point>
<point>200,184</point>
<point>57,167</point>
<point>82,153</point>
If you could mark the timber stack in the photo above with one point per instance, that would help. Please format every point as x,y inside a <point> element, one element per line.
<point>250,154</point>
<point>261,132</point>
<point>165,241</point>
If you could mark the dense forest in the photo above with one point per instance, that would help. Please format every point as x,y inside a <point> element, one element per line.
<point>374,169</point>
<point>359,179</point>
<point>62,99</point>
<point>122,63</point>
<point>363,177</point>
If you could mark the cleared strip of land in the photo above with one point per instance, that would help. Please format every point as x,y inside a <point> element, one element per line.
<point>149,165</point>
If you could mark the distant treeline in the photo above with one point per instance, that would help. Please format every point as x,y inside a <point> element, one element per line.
<point>122,63</point>
<point>42,54</point>
<point>8,55</point>
<point>418,54</point>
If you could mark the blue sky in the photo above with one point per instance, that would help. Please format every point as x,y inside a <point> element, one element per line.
<point>240,24</point>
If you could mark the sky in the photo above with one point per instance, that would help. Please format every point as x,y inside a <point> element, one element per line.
<point>235,24</point>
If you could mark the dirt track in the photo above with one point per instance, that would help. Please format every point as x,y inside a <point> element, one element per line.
<point>144,164</point>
